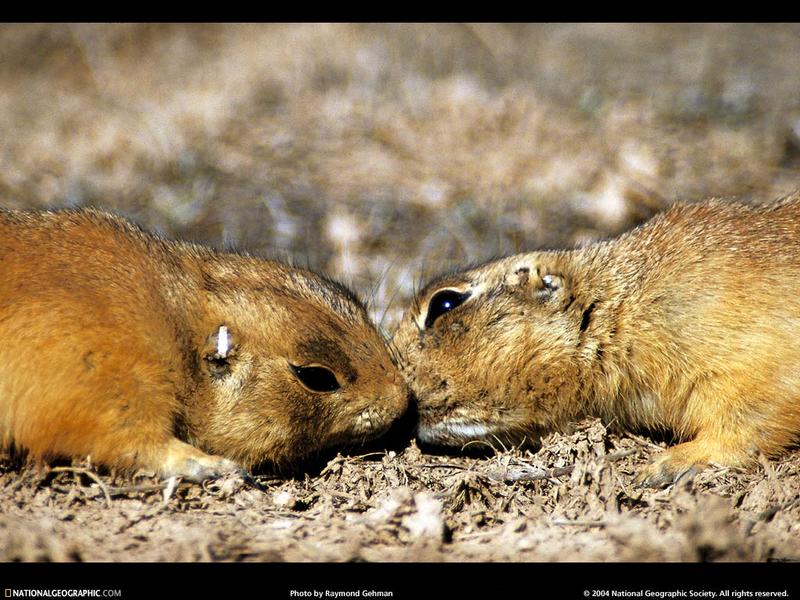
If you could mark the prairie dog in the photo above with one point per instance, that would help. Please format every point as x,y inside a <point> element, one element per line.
<point>688,324</point>
<point>146,353</point>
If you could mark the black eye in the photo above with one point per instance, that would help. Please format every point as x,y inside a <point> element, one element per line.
<point>443,302</point>
<point>316,379</point>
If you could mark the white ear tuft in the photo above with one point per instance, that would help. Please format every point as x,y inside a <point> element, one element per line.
<point>550,282</point>
<point>223,343</point>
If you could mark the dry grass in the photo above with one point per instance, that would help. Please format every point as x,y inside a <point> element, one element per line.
<point>573,500</point>
<point>398,149</point>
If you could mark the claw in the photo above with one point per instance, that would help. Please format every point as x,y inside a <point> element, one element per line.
<point>250,480</point>
<point>191,464</point>
<point>660,474</point>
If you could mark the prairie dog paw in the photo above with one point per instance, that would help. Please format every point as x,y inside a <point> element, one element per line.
<point>191,464</point>
<point>661,474</point>
<point>678,463</point>
<point>685,460</point>
<point>209,467</point>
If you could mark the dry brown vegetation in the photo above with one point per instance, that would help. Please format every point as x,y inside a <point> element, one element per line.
<point>383,154</point>
<point>573,500</point>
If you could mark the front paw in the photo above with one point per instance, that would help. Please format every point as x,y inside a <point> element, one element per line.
<point>192,464</point>
<point>207,467</point>
<point>667,469</point>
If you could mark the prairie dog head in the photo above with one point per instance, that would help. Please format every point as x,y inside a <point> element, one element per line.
<point>288,364</point>
<point>490,352</point>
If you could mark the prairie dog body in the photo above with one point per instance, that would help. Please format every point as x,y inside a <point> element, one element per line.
<point>688,324</point>
<point>147,353</point>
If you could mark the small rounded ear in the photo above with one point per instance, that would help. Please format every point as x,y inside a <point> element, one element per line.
<point>542,283</point>
<point>219,352</point>
<point>518,277</point>
<point>551,283</point>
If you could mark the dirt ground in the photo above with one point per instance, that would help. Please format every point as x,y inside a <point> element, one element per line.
<point>571,501</point>
<point>384,154</point>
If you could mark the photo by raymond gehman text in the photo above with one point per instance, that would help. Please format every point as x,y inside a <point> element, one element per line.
<point>341,594</point>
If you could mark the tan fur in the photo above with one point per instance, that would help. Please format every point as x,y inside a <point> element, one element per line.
<point>108,348</point>
<point>689,324</point>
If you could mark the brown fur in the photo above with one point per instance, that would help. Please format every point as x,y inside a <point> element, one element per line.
<point>688,324</point>
<point>109,349</point>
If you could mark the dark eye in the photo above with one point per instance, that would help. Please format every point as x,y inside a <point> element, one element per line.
<point>316,379</point>
<point>443,302</point>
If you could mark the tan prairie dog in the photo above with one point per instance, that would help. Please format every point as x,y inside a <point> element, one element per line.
<point>146,353</point>
<point>689,324</point>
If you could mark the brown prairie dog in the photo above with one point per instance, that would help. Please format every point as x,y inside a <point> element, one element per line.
<point>146,353</point>
<point>688,324</point>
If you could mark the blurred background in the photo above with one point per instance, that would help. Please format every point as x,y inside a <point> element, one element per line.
<point>384,154</point>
